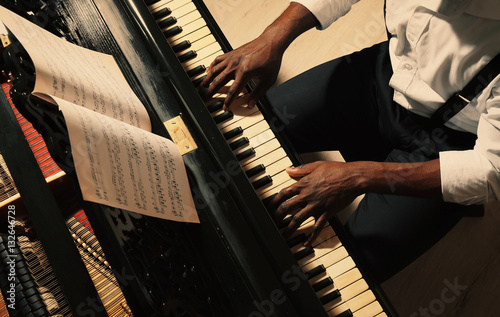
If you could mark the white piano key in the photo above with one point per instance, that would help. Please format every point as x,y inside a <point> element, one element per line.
<point>346,278</point>
<point>186,30</point>
<point>327,260</point>
<point>261,151</point>
<point>341,267</point>
<point>361,300</point>
<point>192,37</point>
<point>337,310</point>
<point>185,18</point>
<point>270,158</point>
<point>370,310</point>
<point>181,11</point>
<point>253,118</point>
<point>239,114</point>
<point>213,49</point>
<point>276,189</point>
<point>273,168</point>
<point>355,296</point>
<point>199,45</point>
<point>175,4</point>
<point>279,178</point>
<point>319,251</point>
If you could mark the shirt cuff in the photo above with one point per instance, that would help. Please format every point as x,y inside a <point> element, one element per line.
<point>327,12</point>
<point>464,177</point>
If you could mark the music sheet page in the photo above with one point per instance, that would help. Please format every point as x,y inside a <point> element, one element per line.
<point>125,167</point>
<point>76,74</point>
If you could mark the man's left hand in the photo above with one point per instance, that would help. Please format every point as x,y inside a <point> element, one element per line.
<point>323,189</point>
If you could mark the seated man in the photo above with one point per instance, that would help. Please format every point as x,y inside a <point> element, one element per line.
<point>418,169</point>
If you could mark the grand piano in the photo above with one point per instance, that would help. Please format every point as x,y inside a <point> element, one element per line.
<point>235,262</point>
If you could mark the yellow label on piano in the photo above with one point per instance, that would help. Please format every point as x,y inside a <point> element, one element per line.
<point>180,135</point>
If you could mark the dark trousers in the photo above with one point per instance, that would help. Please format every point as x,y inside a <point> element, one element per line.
<point>346,105</point>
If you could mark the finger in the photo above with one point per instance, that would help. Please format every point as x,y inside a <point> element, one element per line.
<point>316,229</point>
<point>218,82</point>
<point>288,207</point>
<point>217,60</point>
<point>259,91</point>
<point>297,219</point>
<point>212,72</point>
<point>233,92</point>
<point>301,170</point>
<point>284,194</point>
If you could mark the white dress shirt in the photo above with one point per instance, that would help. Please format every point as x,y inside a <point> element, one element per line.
<point>436,47</point>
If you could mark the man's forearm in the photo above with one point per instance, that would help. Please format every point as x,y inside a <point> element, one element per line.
<point>410,179</point>
<point>294,21</point>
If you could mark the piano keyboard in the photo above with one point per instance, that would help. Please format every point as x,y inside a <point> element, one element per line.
<point>331,271</point>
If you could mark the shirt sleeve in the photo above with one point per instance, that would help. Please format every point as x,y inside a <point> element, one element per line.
<point>473,176</point>
<point>327,11</point>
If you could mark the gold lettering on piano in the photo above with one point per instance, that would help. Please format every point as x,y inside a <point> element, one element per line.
<point>180,135</point>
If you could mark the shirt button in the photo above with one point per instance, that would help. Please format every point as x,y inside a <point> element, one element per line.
<point>408,67</point>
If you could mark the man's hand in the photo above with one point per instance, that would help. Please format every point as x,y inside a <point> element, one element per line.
<point>325,188</point>
<point>322,190</point>
<point>259,59</point>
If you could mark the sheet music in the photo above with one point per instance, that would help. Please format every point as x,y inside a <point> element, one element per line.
<point>81,76</point>
<point>125,167</point>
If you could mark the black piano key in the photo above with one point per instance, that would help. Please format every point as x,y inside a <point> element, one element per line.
<point>233,133</point>
<point>167,22</point>
<point>347,313</point>
<point>196,71</point>
<point>216,106</point>
<point>267,200</point>
<point>172,31</point>
<point>315,271</point>
<point>303,253</point>
<point>197,81</point>
<point>187,56</point>
<point>243,155</point>
<point>238,143</point>
<point>262,182</point>
<point>329,297</point>
<point>255,170</point>
<point>227,115</point>
<point>296,240</point>
<point>322,284</point>
<point>163,12</point>
<point>181,46</point>
<point>150,2</point>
